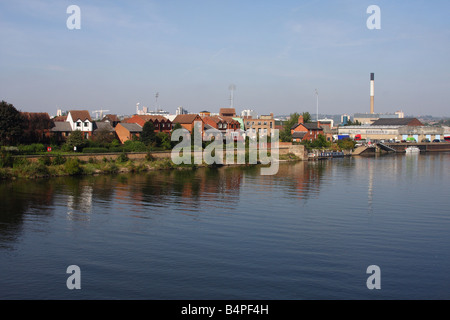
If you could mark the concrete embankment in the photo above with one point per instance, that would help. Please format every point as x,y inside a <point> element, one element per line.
<point>284,148</point>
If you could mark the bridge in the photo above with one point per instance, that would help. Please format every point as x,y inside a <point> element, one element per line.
<point>423,146</point>
<point>400,147</point>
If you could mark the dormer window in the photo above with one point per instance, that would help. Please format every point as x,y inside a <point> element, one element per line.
<point>86,124</point>
<point>78,124</point>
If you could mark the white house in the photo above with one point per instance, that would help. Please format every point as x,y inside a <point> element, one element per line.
<point>81,120</point>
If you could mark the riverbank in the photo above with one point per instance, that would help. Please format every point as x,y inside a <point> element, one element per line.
<point>46,167</point>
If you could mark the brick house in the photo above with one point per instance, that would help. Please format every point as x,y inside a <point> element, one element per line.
<point>126,131</point>
<point>188,121</point>
<point>311,130</point>
<point>227,112</point>
<point>262,125</point>
<point>223,124</point>
<point>161,124</point>
<point>81,120</point>
<point>113,119</point>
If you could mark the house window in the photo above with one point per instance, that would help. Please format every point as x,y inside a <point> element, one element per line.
<point>271,123</point>
<point>265,123</point>
<point>259,123</point>
<point>78,124</point>
<point>86,124</point>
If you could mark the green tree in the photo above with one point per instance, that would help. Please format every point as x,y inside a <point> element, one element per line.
<point>148,135</point>
<point>321,142</point>
<point>285,134</point>
<point>10,124</point>
<point>103,137</point>
<point>163,140</point>
<point>176,126</point>
<point>306,117</point>
<point>75,139</point>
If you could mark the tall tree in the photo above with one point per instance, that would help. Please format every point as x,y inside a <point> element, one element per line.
<point>306,117</point>
<point>75,139</point>
<point>36,127</point>
<point>285,134</point>
<point>11,124</point>
<point>148,135</point>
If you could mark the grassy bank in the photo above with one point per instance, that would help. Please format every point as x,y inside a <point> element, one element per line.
<point>21,168</point>
<point>17,167</point>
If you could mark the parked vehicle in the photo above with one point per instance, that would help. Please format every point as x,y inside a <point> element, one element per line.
<point>436,140</point>
<point>425,140</point>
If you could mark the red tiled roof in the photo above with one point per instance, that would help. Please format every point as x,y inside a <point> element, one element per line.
<point>111,117</point>
<point>146,118</point>
<point>80,114</point>
<point>227,111</point>
<point>185,118</point>
<point>59,119</point>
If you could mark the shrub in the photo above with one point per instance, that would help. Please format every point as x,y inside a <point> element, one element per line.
<point>20,162</point>
<point>73,167</point>
<point>45,160</point>
<point>149,157</point>
<point>134,146</point>
<point>6,160</point>
<point>95,150</point>
<point>32,148</point>
<point>122,157</point>
<point>59,159</point>
<point>34,169</point>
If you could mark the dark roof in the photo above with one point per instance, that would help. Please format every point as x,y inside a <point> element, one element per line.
<point>312,126</point>
<point>298,135</point>
<point>61,126</point>
<point>397,122</point>
<point>132,127</point>
<point>103,126</point>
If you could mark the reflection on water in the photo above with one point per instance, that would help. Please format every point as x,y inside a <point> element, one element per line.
<point>225,227</point>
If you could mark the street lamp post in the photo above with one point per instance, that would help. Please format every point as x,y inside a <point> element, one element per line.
<point>317,106</point>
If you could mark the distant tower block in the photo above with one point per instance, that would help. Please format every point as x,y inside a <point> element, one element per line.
<point>372,92</point>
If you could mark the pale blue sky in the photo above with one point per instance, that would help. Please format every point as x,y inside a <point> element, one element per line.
<point>275,52</point>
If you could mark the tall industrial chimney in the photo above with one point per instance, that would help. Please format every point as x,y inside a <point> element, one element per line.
<point>372,91</point>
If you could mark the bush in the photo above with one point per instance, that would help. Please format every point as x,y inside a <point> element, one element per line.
<point>95,150</point>
<point>59,159</point>
<point>20,162</point>
<point>45,160</point>
<point>116,149</point>
<point>134,146</point>
<point>149,157</point>
<point>32,148</point>
<point>34,169</point>
<point>6,160</point>
<point>73,167</point>
<point>122,157</point>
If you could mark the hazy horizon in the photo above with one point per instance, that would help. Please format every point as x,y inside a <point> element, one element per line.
<point>276,53</point>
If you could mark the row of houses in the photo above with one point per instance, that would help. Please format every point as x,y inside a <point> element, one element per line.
<point>128,128</point>
<point>226,122</point>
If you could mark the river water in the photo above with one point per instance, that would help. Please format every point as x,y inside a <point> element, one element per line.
<point>309,232</point>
